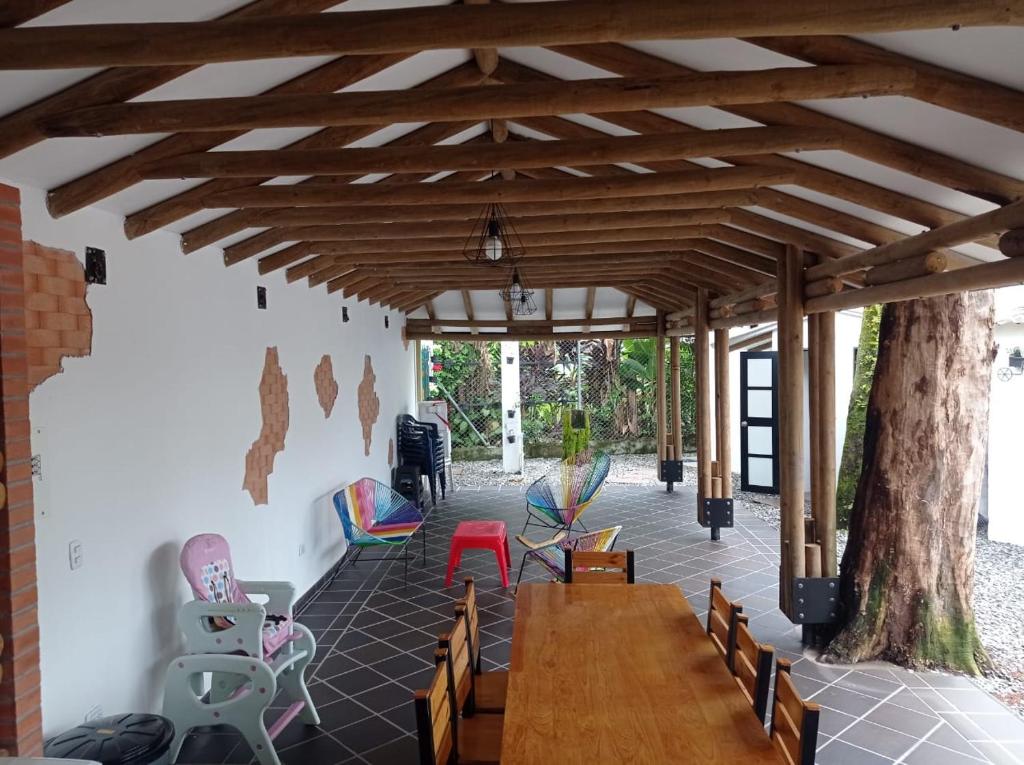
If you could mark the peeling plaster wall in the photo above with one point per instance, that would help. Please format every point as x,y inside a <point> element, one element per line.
<point>143,444</point>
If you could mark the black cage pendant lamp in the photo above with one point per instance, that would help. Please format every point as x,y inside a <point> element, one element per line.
<point>493,240</point>
<point>518,295</point>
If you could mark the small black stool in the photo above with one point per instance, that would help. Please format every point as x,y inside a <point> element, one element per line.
<point>128,739</point>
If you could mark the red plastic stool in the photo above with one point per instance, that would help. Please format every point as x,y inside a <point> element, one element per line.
<point>479,535</point>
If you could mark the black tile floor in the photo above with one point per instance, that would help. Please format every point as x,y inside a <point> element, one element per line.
<point>376,637</point>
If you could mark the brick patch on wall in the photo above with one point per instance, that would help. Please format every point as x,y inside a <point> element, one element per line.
<point>20,717</point>
<point>259,461</point>
<point>326,385</point>
<point>58,322</point>
<point>369,404</point>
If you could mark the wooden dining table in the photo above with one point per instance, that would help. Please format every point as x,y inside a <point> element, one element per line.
<point>622,673</point>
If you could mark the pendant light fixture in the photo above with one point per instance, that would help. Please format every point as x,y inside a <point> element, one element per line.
<point>518,295</point>
<point>493,240</point>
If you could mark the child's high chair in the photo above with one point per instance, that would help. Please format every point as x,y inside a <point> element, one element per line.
<point>247,649</point>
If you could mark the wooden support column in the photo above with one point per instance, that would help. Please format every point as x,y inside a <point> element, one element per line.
<point>826,447</point>
<point>791,436</point>
<point>677,411</point>
<point>702,388</point>
<point>723,413</point>
<point>814,439</point>
<point>659,392</point>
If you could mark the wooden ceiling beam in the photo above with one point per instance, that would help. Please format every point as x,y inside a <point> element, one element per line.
<point>616,57</point>
<point>477,26</point>
<point>127,171</point>
<point>956,91</point>
<point>521,225</point>
<point>549,303</point>
<point>479,102</point>
<point>411,214</point>
<point>322,267</point>
<point>486,58</point>
<point>509,154</point>
<point>19,130</point>
<point>876,147</point>
<point>630,305</point>
<point>692,181</point>
<point>13,14</point>
<point>186,203</point>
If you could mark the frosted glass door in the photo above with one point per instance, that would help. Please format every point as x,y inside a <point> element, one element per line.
<point>759,419</point>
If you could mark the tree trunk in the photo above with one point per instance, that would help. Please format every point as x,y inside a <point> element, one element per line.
<point>853,444</point>
<point>908,570</point>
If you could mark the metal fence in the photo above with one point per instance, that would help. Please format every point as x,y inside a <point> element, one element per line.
<point>612,380</point>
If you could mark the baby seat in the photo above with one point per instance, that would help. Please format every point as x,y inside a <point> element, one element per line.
<point>248,650</point>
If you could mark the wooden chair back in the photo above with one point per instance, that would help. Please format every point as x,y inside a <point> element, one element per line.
<point>794,728</point>
<point>615,567</point>
<point>457,644</point>
<point>752,667</point>
<point>434,718</point>
<point>721,626</point>
<point>472,622</point>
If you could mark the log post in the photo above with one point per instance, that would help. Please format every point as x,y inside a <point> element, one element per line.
<point>814,425</point>
<point>723,411</point>
<point>677,411</point>
<point>791,437</point>
<point>701,353</point>
<point>659,403</point>
<point>826,448</point>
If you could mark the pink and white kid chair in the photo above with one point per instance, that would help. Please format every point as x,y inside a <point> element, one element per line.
<point>247,650</point>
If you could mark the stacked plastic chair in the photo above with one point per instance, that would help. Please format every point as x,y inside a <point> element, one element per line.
<point>420,444</point>
<point>558,501</point>
<point>551,555</point>
<point>375,515</point>
<point>248,650</point>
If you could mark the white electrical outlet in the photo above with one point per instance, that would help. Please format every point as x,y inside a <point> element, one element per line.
<point>75,558</point>
<point>94,714</point>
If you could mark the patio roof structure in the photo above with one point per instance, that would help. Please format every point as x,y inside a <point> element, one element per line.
<point>670,170</point>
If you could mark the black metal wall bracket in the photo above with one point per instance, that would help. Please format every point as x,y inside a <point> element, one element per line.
<point>815,600</point>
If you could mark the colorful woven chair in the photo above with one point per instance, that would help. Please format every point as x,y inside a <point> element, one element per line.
<point>558,501</point>
<point>375,515</point>
<point>551,553</point>
<point>248,650</point>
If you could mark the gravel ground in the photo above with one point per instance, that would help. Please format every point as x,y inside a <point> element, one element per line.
<point>999,568</point>
<point>635,469</point>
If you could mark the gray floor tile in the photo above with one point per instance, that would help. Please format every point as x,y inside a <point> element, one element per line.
<point>841,753</point>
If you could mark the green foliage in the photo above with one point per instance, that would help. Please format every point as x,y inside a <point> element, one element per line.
<point>853,445</point>
<point>574,440</point>
<point>617,379</point>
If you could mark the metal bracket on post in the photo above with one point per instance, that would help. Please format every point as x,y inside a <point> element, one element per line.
<point>715,513</point>
<point>671,472</point>
<point>815,600</point>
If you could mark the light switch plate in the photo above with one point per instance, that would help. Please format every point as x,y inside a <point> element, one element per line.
<point>75,558</point>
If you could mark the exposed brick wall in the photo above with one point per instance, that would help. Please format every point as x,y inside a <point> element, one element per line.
<point>20,717</point>
<point>369,404</point>
<point>259,461</point>
<point>58,322</point>
<point>326,385</point>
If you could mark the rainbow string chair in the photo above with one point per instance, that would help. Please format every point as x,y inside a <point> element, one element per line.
<point>375,515</point>
<point>247,650</point>
<point>558,501</point>
<point>551,553</point>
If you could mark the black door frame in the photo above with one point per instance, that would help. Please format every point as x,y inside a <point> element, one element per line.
<point>772,422</point>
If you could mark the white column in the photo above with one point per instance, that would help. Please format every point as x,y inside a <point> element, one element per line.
<point>512,454</point>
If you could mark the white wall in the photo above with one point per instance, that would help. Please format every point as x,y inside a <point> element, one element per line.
<point>1006,423</point>
<point>847,335</point>
<point>143,445</point>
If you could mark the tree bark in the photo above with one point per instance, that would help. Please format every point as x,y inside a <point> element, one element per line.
<point>908,570</point>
